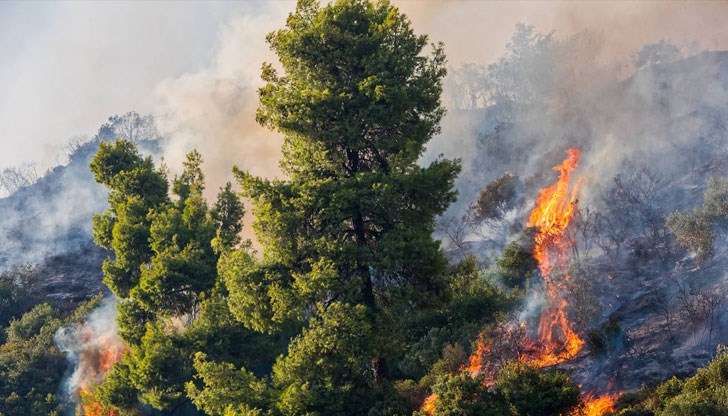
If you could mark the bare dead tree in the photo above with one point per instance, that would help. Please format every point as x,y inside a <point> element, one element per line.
<point>466,87</point>
<point>581,232</point>
<point>456,230</point>
<point>665,307</point>
<point>635,210</point>
<point>131,126</point>
<point>610,233</point>
<point>698,306</point>
<point>581,291</point>
<point>16,177</point>
<point>710,302</point>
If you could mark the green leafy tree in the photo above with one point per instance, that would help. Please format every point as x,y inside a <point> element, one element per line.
<point>693,231</point>
<point>136,188</point>
<point>19,291</point>
<point>166,273</point>
<point>218,398</point>
<point>31,365</point>
<point>159,367</point>
<point>33,323</point>
<point>496,199</point>
<point>517,263</point>
<point>227,212</point>
<point>705,393</point>
<point>356,102</point>
<point>325,371</point>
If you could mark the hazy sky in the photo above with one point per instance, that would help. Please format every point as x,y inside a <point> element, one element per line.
<point>66,66</point>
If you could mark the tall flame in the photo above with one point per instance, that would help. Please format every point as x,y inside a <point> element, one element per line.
<point>555,207</point>
<point>556,339</point>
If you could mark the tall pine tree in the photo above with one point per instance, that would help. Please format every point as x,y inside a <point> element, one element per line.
<point>347,236</point>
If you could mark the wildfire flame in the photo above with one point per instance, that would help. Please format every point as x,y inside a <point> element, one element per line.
<point>597,406</point>
<point>91,407</point>
<point>557,341</point>
<point>98,353</point>
<point>555,207</point>
<point>428,406</point>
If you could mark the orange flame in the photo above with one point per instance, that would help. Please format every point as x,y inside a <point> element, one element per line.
<point>428,406</point>
<point>555,206</point>
<point>552,213</point>
<point>557,341</point>
<point>597,406</point>
<point>100,353</point>
<point>91,407</point>
<point>475,362</point>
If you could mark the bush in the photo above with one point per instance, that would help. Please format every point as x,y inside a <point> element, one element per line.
<point>535,393</point>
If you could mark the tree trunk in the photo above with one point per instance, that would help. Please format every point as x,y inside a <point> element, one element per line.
<point>379,365</point>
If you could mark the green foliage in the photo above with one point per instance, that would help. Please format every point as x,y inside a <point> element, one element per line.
<point>520,390</point>
<point>132,320</point>
<point>18,293</point>
<point>117,391</point>
<point>473,304</point>
<point>228,214</point>
<point>136,188</point>
<point>464,395</point>
<point>696,230</point>
<point>159,367</point>
<point>706,393</point>
<point>325,370</point>
<point>532,392</point>
<point>693,231</point>
<point>517,264</point>
<point>40,321</point>
<point>164,270</point>
<point>227,390</point>
<point>347,245</point>
<point>31,367</point>
<point>715,199</point>
<point>357,103</point>
<point>180,235</point>
<point>496,199</point>
<point>261,297</point>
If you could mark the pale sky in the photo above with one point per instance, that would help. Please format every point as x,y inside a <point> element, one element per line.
<point>67,66</point>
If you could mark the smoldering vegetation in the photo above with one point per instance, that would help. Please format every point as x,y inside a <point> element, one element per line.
<point>45,221</point>
<point>648,306</point>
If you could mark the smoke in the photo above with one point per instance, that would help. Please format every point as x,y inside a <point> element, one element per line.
<point>591,49</point>
<point>548,93</point>
<point>52,216</point>
<point>214,110</point>
<point>484,28</point>
<point>91,348</point>
<point>646,105</point>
